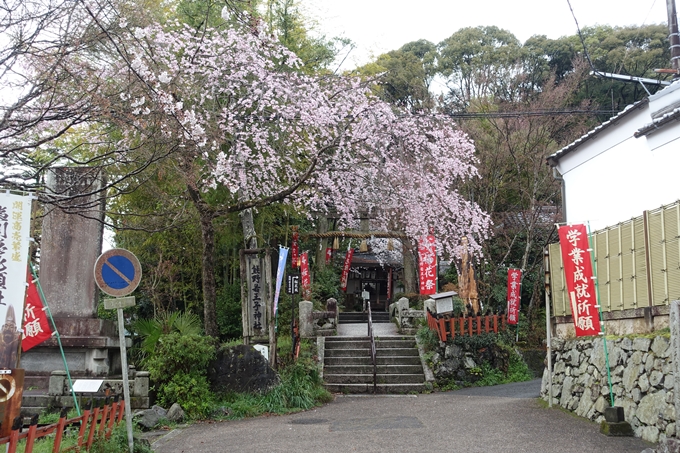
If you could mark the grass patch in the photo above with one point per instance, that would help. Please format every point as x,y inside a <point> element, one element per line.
<point>301,388</point>
<point>118,442</point>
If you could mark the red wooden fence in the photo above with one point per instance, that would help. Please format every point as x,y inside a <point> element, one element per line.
<point>93,423</point>
<point>451,326</point>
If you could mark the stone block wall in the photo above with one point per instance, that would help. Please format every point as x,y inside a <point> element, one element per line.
<point>642,381</point>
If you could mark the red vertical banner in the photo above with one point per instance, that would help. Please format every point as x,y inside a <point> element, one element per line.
<point>514,294</point>
<point>294,250</point>
<point>329,255</point>
<point>345,269</point>
<point>305,277</point>
<point>36,325</point>
<point>578,271</point>
<point>427,265</point>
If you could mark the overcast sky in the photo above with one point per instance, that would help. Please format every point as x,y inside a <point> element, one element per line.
<point>378,26</point>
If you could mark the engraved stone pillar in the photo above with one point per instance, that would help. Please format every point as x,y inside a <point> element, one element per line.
<point>71,242</point>
<point>72,234</point>
<point>306,321</point>
<point>674,322</point>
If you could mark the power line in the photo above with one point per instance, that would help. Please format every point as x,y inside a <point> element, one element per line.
<point>580,35</point>
<point>516,114</point>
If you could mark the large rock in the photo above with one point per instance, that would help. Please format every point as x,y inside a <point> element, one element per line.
<point>660,346</point>
<point>447,369</point>
<point>149,418</point>
<point>626,344</point>
<point>585,404</point>
<point>175,413</point>
<point>651,408</point>
<point>668,446</point>
<point>635,358</point>
<point>567,387</point>
<point>641,344</point>
<point>599,358</point>
<point>630,377</point>
<point>241,369</point>
<point>655,378</point>
<point>648,433</point>
<point>452,351</point>
<point>643,383</point>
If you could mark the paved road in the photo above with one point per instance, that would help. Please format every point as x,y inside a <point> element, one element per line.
<point>505,418</point>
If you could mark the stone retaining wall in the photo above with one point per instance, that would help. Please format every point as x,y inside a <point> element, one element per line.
<point>642,381</point>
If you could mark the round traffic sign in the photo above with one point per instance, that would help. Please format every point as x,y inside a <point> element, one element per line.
<point>117,272</point>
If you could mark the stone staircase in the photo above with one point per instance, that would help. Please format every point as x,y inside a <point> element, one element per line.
<point>356,317</point>
<point>348,369</point>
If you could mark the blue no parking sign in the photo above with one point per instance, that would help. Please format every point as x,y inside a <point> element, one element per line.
<point>117,272</point>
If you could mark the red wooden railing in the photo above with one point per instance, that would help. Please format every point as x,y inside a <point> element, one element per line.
<point>471,325</point>
<point>93,423</point>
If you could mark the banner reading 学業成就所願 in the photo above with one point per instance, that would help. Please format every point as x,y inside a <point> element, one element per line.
<point>514,294</point>
<point>578,272</point>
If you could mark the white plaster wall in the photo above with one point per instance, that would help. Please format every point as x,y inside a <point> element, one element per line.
<point>615,177</point>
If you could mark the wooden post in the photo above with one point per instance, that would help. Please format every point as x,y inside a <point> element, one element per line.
<point>441,328</point>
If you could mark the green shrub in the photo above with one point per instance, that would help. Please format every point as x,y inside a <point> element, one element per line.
<point>300,388</point>
<point>179,354</point>
<point>191,391</point>
<point>326,284</point>
<point>289,396</point>
<point>178,369</point>
<point>151,330</point>
<point>428,339</point>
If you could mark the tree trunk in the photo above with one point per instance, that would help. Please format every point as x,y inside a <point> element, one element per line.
<point>208,274</point>
<point>249,234</point>
<point>410,275</point>
<point>206,215</point>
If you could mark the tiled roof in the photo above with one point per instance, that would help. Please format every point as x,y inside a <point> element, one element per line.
<point>658,122</point>
<point>553,159</point>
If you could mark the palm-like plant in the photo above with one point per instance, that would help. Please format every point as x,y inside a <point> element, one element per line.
<point>151,330</point>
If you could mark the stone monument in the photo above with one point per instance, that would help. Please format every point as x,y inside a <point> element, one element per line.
<point>71,241</point>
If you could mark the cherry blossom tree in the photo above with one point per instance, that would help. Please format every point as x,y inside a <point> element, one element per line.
<point>242,129</point>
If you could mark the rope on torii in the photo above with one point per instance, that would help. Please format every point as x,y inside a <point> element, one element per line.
<point>355,235</point>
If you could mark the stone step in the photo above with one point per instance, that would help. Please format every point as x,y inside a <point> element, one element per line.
<point>368,378</point>
<point>348,344</point>
<point>391,352</point>
<point>357,317</point>
<point>387,360</point>
<point>364,343</point>
<point>364,352</point>
<point>382,389</point>
<point>384,343</point>
<point>365,338</point>
<point>367,368</point>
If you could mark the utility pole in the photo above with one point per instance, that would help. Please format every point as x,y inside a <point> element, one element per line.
<point>673,35</point>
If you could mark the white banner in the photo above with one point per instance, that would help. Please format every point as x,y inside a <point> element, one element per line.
<point>15,222</point>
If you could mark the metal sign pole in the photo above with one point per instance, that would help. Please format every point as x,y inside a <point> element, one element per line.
<point>117,272</point>
<point>119,304</point>
<point>126,385</point>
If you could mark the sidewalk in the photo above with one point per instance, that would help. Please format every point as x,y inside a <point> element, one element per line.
<point>504,419</point>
